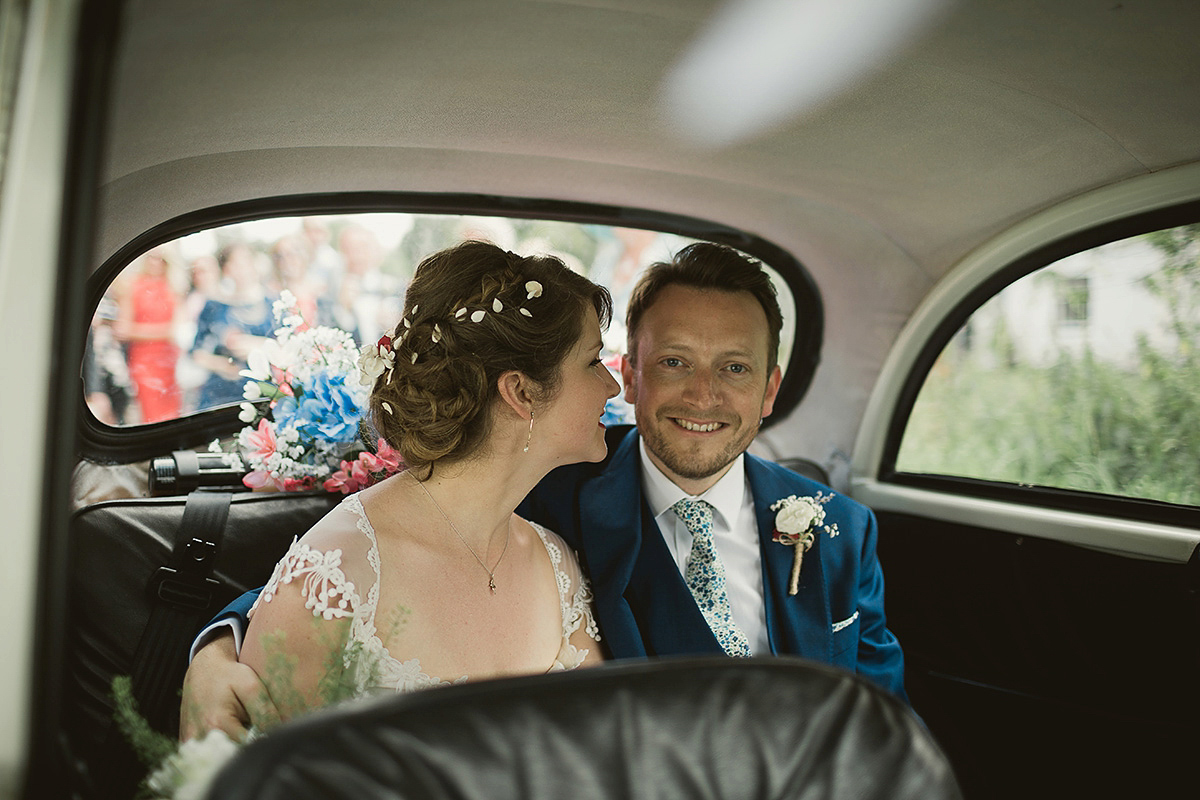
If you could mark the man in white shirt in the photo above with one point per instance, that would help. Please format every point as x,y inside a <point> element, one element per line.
<point>701,373</point>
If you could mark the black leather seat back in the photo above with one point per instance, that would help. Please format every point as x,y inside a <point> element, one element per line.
<point>115,549</point>
<point>672,728</point>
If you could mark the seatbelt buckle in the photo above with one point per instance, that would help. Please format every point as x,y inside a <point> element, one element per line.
<point>187,587</point>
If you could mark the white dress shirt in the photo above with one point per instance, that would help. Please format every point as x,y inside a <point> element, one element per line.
<point>735,535</point>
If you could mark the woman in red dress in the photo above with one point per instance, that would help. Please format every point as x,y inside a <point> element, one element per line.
<point>146,322</point>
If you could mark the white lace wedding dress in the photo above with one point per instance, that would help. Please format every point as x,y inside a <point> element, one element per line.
<point>333,580</point>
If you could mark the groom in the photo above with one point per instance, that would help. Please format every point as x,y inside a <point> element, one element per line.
<point>676,527</point>
<point>701,371</point>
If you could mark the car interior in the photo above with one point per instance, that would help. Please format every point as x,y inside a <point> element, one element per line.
<point>982,218</point>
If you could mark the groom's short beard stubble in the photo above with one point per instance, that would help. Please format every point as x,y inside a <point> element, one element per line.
<point>689,465</point>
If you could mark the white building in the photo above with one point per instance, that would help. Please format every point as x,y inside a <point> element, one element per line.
<point>1097,300</point>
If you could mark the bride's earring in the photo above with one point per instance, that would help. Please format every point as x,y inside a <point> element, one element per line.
<point>529,438</point>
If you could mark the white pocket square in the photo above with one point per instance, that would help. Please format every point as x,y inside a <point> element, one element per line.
<point>846,623</point>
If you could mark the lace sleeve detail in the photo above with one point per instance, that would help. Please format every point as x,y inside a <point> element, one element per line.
<point>581,611</point>
<point>326,590</point>
<point>579,628</point>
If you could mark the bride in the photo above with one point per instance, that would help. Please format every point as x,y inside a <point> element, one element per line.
<point>491,379</point>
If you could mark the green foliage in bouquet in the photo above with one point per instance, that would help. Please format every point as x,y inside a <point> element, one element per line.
<point>184,771</point>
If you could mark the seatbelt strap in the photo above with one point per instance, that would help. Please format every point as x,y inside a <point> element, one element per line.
<point>181,597</point>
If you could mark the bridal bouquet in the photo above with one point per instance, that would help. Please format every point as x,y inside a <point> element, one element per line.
<point>305,408</point>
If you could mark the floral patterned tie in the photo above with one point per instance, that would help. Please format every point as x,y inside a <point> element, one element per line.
<point>705,576</point>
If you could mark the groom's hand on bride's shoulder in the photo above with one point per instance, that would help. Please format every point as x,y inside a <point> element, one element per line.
<point>221,692</point>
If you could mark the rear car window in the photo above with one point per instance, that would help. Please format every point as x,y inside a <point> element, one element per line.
<point>173,329</point>
<point>1084,375</point>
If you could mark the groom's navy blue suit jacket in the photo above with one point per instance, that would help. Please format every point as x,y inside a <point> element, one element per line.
<point>643,606</point>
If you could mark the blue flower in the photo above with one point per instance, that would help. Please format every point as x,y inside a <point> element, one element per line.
<point>326,410</point>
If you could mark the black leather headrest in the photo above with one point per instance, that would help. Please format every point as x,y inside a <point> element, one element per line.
<point>686,728</point>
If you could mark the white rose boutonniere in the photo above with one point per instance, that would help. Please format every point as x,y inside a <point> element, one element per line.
<point>797,520</point>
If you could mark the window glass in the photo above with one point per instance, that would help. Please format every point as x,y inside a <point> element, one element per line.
<point>174,328</point>
<point>1083,375</point>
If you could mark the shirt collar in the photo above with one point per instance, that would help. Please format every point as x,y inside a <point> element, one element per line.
<point>725,496</point>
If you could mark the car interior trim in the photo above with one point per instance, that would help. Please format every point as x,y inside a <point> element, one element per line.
<point>1150,541</point>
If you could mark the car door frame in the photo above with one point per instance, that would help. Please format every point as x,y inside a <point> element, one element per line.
<point>1046,630</point>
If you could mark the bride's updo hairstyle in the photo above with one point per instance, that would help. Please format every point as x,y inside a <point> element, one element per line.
<point>471,313</point>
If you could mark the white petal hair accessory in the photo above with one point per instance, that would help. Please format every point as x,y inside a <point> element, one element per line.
<point>477,316</point>
<point>533,289</point>
<point>436,336</point>
<point>497,306</point>
<point>462,312</point>
<point>374,360</point>
<point>525,311</point>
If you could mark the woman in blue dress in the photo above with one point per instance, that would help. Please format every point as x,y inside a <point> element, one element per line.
<point>230,327</point>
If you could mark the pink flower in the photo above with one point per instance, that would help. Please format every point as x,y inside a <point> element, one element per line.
<point>388,456</point>
<point>262,440</point>
<point>358,471</point>
<point>261,479</point>
<point>343,480</point>
<point>282,380</point>
<point>299,484</point>
<point>364,470</point>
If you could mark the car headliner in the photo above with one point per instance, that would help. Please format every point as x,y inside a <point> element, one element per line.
<point>1001,110</point>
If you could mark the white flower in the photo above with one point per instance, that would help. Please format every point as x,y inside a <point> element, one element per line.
<point>233,461</point>
<point>373,361</point>
<point>286,312</point>
<point>248,412</point>
<point>795,526</point>
<point>533,289</point>
<point>252,391</point>
<point>258,365</point>
<point>797,515</point>
<point>188,773</point>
